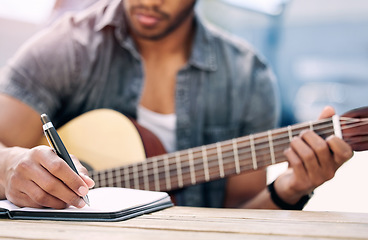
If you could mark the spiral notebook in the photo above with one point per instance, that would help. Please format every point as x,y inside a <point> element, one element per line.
<point>107,204</point>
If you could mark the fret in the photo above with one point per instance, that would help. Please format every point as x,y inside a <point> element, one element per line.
<point>191,165</point>
<point>205,163</point>
<point>188,170</point>
<point>252,148</point>
<point>236,156</point>
<point>178,169</point>
<point>337,126</point>
<point>103,179</point>
<point>311,125</point>
<point>126,177</point>
<point>272,152</point>
<point>135,176</point>
<point>290,133</point>
<point>118,177</point>
<point>145,175</point>
<point>110,179</point>
<point>96,177</point>
<point>220,160</point>
<point>155,174</point>
<point>167,172</point>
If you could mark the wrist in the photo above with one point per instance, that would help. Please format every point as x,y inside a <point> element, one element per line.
<point>297,202</point>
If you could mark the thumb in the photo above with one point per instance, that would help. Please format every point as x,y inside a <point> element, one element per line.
<point>83,172</point>
<point>90,183</point>
<point>327,112</point>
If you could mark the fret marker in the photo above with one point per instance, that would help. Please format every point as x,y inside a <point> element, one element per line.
<point>337,126</point>
<point>178,167</point>
<point>254,157</point>
<point>236,156</point>
<point>220,160</point>
<point>191,165</point>
<point>205,163</point>
<point>271,147</point>
<point>167,172</point>
<point>290,133</point>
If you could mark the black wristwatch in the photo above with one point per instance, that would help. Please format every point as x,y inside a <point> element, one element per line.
<point>286,206</point>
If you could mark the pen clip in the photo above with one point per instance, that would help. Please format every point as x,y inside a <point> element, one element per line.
<point>47,137</point>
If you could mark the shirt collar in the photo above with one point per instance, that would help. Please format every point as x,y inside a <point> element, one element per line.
<point>203,55</point>
<point>111,15</point>
<point>204,51</point>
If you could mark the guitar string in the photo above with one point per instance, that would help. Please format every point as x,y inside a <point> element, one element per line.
<point>226,164</point>
<point>197,174</point>
<point>225,143</point>
<point>239,146</point>
<point>266,145</point>
<point>216,166</point>
<point>210,151</point>
<point>267,161</point>
<point>210,146</point>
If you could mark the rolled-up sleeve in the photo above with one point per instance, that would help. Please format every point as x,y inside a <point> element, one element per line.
<point>38,73</point>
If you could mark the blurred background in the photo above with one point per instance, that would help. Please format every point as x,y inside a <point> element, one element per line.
<point>318,50</point>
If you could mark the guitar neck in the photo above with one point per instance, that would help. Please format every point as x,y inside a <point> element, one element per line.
<point>209,162</point>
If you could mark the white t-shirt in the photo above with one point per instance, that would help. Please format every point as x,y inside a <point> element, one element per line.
<point>162,125</point>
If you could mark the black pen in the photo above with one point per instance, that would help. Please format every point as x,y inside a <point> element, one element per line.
<point>56,143</point>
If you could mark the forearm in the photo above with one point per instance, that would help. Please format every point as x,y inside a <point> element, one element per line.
<point>2,168</point>
<point>278,196</point>
<point>2,192</point>
<point>5,155</point>
<point>261,201</point>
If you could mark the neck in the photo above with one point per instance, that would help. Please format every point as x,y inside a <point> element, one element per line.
<point>177,42</point>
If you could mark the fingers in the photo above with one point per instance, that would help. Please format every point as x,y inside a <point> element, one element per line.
<point>327,112</point>
<point>83,173</point>
<point>316,156</point>
<point>35,197</point>
<point>297,165</point>
<point>45,179</point>
<point>55,188</point>
<point>321,152</point>
<point>60,180</point>
<point>342,151</point>
<point>90,183</point>
<point>314,159</point>
<point>23,192</point>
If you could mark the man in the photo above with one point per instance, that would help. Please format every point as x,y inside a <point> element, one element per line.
<point>147,59</point>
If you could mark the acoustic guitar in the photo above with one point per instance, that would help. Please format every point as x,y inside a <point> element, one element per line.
<point>121,153</point>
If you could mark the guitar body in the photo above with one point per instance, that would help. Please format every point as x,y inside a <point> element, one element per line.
<point>104,139</point>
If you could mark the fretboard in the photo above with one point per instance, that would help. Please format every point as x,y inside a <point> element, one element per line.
<point>209,162</point>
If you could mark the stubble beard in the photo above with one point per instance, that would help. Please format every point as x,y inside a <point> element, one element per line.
<point>177,22</point>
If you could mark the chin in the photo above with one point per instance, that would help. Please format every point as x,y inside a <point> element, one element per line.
<point>150,36</point>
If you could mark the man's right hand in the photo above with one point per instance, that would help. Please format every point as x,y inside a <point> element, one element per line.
<point>38,178</point>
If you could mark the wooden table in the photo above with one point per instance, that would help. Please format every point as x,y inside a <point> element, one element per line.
<point>201,223</point>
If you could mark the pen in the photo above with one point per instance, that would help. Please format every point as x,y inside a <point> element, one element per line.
<point>56,143</point>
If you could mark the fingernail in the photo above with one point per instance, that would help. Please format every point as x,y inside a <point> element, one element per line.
<point>80,203</point>
<point>83,191</point>
<point>86,176</point>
